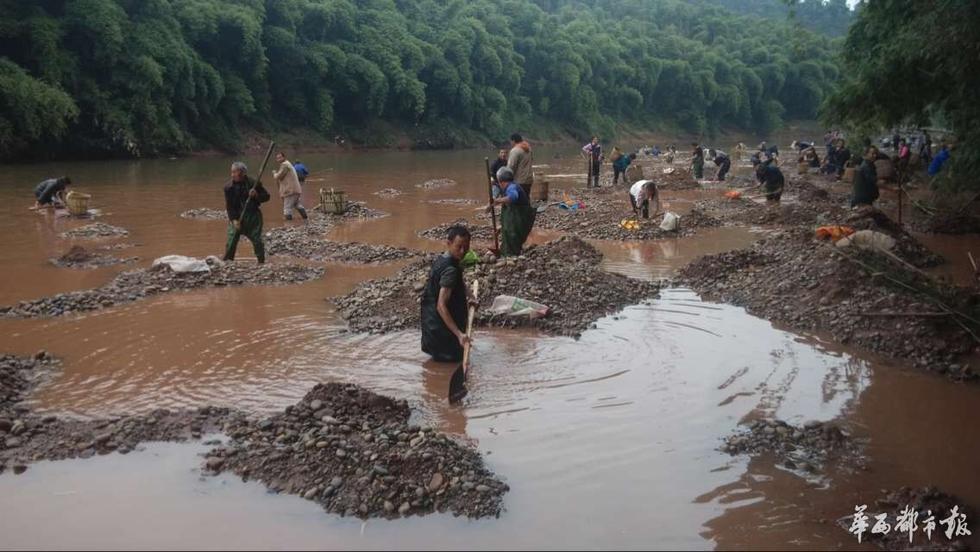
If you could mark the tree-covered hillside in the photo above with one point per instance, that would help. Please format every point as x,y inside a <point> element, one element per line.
<point>145,77</point>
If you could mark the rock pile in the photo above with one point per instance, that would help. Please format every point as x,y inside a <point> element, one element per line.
<point>355,454</point>
<point>307,241</point>
<point>138,284</point>
<point>804,448</point>
<point>96,230</point>
<point>350,450</point>
<point>808,285</point>
<point>79,257</point>
<point>564,274</point>
<point>388,192</point>
<point>436,184</point>
<point>204,213</point>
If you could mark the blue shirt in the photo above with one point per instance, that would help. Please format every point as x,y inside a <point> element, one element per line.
<point>938,161</point>
<point>301,171</point>
<point>516,194</point>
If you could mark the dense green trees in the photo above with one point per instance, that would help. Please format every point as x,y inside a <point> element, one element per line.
<point>830,17</point>
<point>915,63</point>
<point>142,77</point>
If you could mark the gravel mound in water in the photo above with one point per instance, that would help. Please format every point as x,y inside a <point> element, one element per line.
<point>79,257</point>
<point>138,284</point>
<point>479,232</point>
<point>924,500</point>
<point>436,183</point>
<point>809,285</point>
<point>354,453</point>
<point>204,214</point>
<point>563,274</point>
<point>348,449</point>
<point>457,201</point>
<point>95,230</point>
<point>307,241</point>
<point>680,179</point>
<point>388,192</point>
<point>804,448</point>
<point>603,212</point>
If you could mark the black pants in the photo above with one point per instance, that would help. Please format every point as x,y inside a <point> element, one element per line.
<point>616,173</point>
<point>726,166</point>
<point>644,207</point>
<point>594,174</point>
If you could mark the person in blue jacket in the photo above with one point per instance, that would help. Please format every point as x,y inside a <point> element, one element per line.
<point>939,160</point>
<point>301,171</point>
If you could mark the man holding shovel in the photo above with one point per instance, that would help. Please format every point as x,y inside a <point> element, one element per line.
<point>242,198</point>
<point>444,301</point>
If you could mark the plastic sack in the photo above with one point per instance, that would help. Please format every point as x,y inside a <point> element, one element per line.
<point>509,305</point>
<point>869,239</point>
<point>671,222</point>
<point>180,263</point>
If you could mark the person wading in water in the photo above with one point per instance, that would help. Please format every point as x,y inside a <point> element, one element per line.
<point>444,301</point>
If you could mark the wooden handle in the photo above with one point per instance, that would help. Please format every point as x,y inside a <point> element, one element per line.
<point>469,325</point>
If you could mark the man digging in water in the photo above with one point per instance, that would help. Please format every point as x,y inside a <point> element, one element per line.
<point>444,301</point>
<point>241,196</point>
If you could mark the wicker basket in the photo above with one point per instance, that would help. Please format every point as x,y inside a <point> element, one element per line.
<point>849,173</point>
<point>333,201</point>
<point>803,167</point>
<point>539,192</point>
<point>77,203</point>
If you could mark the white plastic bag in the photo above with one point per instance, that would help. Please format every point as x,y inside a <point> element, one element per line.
<point>868,239</point>
<point>671,222</point>
<point>515,306</point>
<point>180,263</point>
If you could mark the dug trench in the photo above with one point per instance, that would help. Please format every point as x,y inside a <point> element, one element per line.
<point>348,449</point>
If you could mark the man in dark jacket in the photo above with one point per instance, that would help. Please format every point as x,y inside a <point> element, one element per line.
<point>771,179</point>
<point>865,190</point>
<point>500,161</point>
<point>444,301</point>
<point>242,198</point>
<point>723,162</point>
<point>50,190</point>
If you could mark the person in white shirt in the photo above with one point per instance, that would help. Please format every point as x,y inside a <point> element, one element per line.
<point>642,194</point>
<point>289,188</point>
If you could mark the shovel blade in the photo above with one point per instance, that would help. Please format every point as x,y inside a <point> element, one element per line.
<point>457,385</point>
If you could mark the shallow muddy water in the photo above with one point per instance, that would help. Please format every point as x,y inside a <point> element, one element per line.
<point>608,441</point>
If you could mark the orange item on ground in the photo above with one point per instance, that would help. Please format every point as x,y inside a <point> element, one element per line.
<point>834,232</point>
<point>733,194</point>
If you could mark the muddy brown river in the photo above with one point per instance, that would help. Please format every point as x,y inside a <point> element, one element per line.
<point>607,441</point>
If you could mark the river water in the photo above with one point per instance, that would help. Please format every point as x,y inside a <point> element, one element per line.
<point>607,441</point>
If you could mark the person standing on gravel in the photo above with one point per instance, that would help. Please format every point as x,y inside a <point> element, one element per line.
<point>592,152</point>
<point>642,194</point>
<point>516,214</point>
<point>723,162</point>
<point>697,161</point>
<point>865,190</point>
<point>444,301</point>
<point>771,179</point>
<point>242,198</point>
<point>620,164</point>
<point>289,188</point>
<point>500,161</point>
<point>521,162</point>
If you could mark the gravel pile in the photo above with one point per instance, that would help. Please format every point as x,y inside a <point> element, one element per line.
<point>479,232</point>
<point>563,274</point>
<point>388,192</point>
<point>79,257</point>
<point>792,279</point>
<point>804,448</point>
<point>354,453</point>
<point>436,184</point>
<point>138,284</point>
<point>204,213</point>
<point>457,201</point>
<point>95,230</point>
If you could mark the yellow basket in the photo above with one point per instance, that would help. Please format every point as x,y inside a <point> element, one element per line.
<point>77,203</point>
<point>333,201</point>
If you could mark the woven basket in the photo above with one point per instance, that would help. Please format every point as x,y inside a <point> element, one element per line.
<point>77,203</point>
<point>333,201</point>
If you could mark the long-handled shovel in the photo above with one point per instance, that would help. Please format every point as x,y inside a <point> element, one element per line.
<point>238,223</point>
<point>457,384</point>
<point>493,210</point>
